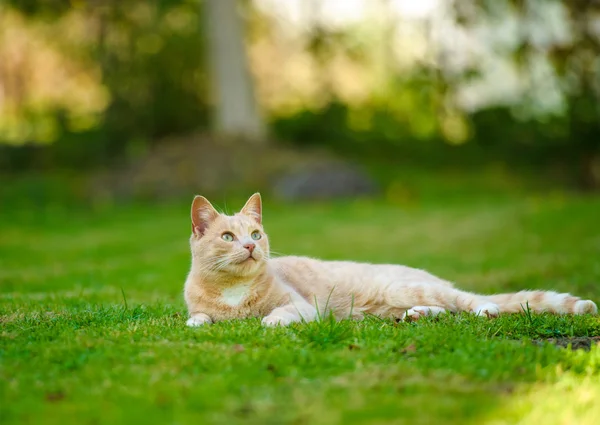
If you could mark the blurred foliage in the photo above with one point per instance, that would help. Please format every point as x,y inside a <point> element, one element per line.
<point>421,114</point>
<point>149,56</point>
<point>345,87</point>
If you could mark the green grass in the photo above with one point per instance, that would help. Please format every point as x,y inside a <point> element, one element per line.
<point>92,319</point>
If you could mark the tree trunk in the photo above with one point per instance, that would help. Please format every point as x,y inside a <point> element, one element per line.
<point>236,111</point>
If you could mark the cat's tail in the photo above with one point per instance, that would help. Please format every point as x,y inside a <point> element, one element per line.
<point>542,301</point>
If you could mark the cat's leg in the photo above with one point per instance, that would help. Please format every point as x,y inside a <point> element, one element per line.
<point>298,310</point>
<point>543,301</point>
<point>288,314</point>
<point>432,294</point>
<point>195,306</point>
<point>416,312</point>
<point>199,319</point>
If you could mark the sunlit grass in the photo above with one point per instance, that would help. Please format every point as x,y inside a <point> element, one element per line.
<point>93,322</point>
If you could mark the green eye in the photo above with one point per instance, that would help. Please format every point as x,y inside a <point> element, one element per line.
<point>228,237</point>
<point>256,235</point>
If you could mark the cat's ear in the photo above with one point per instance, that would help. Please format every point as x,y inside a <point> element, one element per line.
<point>253,208</point>
<point>203,213</point>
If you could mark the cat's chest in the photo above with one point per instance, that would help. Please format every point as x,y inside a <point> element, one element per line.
<point>236,302</point>
<point>235,295</point>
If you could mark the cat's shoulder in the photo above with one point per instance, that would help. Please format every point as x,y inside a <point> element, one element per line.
<point>301,261</point>
<point>292,260</point>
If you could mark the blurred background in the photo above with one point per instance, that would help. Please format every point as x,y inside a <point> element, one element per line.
<point>460,137</point>
<point>104,102</point>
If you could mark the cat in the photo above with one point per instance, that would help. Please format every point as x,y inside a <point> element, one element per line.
<point>233,277</point>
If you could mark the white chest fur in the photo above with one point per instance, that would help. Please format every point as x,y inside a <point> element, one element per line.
<point>235,295</point>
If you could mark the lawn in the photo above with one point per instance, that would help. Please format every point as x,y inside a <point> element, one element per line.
<point>93,321</point>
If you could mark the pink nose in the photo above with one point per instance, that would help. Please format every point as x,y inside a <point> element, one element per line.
<point>250,247</point>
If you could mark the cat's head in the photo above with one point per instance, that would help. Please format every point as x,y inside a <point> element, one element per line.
<point>228,245</point>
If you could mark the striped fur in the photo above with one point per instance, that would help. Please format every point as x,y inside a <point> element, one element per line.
<point>232,276</point>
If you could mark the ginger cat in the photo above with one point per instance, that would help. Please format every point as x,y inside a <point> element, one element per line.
<point>232,277</point>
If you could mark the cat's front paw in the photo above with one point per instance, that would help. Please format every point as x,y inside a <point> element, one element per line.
<point>276,320</point>
<point>198,320</point>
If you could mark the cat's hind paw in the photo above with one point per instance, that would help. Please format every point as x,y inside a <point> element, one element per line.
<point>585,307</point>
<point>419,311</point>
<point>488,310</point>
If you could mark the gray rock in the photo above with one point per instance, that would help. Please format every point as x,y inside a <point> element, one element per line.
<point>324,181</point>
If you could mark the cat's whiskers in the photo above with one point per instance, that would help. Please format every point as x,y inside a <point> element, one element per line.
<point>220,265</point>
<point>214,264</point>
<point>220,262</point>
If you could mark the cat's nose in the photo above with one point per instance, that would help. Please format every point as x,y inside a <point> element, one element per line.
<point>250,247</point>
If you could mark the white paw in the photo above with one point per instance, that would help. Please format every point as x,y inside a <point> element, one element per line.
<point>276,320</point>
<point>417,312</point>
<point>198,320</point>
<point>585,307</point>
<point>487,309</point>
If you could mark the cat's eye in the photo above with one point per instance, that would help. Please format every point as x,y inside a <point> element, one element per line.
<point>256,235</point>
<point>227,237</point>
